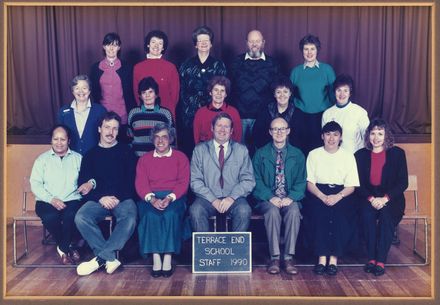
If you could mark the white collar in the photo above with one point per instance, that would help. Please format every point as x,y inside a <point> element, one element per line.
<point>149,56</point>
<point>217,145</point>
<point>168,154</point>
<point>247,56</point>
<point>73,104</point>
<point>316,64</point>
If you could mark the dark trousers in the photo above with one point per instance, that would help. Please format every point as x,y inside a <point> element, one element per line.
<point>378,227</point>
<point>60,224</point>
<point>307,131</point>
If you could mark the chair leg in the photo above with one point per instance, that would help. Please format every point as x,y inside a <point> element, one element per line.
<point>14,240</point>
<point>396,240</point>
<point>26,249</point>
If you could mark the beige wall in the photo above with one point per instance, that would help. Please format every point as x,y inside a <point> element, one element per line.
<point>20,159</point>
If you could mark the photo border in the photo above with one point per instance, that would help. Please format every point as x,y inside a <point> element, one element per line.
<point>229,299</point>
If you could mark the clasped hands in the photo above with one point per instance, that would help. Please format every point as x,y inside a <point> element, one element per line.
<point>330,200</point>
<point>378,202</point>
<point>160,204</point>
<point>222,205</point>
<point>281,202</point>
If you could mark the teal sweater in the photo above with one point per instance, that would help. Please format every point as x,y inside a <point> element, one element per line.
<point>264,162</point>
<point>314,87</point>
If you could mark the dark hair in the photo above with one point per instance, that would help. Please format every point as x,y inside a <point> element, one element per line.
<point>66,129</point>
<point>164,126</point>
<point>159,34</point>
<point>77,78</point>
<point>222,115</point>
<point>281,81</point>
<point>202,30</point>
<point>219,80</point>
<point>112,38</point>
<point>379,123</point>
<point>343,80</point>
<point>108,116</point>
<point>331,126</point>
<point>149,83</point>
<point>310,39</point>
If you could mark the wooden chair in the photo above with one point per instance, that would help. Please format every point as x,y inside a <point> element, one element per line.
<point>412,213</point>
<point>28,214</point>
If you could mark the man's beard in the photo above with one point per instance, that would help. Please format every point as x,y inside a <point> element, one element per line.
<point>255,54</point>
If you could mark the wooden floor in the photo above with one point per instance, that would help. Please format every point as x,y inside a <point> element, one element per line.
<point>136,281</point>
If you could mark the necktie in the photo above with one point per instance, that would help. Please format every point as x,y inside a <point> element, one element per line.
<point>221,161</point>
<point>280,179</point>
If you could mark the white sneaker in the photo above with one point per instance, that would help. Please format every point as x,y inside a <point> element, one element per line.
<point>88,267</point>
<point>111,266</point>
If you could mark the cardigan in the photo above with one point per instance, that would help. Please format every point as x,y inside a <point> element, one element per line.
<point>125,73</point>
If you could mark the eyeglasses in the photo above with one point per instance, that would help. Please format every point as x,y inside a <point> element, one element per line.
<point>281,129</point>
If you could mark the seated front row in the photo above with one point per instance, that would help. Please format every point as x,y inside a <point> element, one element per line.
<point>222,177</point>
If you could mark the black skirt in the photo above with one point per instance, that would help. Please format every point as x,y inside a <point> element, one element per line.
<point>330,227</point>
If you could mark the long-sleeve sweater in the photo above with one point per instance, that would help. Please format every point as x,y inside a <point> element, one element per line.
<point>155,174</point>
<point>166,76</point>
<point>113,170</point>
<point>203,122</point>
<point>251,81</point>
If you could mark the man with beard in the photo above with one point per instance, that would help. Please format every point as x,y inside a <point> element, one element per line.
<point>106,178</point>
<point>251,74</point>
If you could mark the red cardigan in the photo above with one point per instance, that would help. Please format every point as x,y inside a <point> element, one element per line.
<point>203,119</point>
<point>166,76</point>
<point>162,174</point>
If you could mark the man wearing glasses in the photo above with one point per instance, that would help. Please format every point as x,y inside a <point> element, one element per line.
<point>280,176</point>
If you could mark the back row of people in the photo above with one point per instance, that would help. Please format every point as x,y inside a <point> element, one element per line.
<point>222,176</point>
<point>154,91</point>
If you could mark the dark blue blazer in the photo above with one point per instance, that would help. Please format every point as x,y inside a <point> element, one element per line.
<point>90,136</point>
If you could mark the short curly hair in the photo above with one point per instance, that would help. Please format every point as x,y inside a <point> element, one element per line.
<point>159,34</point>
<point>310,39</point>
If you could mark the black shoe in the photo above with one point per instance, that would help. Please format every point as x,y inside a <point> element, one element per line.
<point>156,273</point>
<point>168,273</point>
<point>378,270</point>
<point>331,269</point>
<point>369,267</point>
<point>319,269</point>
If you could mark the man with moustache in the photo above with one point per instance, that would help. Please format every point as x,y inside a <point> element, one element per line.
<point>221,178</point>
<point>251,75</point>
<point>280,174</point>
<point>106,179</point>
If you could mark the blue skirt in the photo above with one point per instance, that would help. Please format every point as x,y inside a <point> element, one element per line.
<point>161,231</point>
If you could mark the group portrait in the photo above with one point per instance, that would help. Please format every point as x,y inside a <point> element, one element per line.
<point>139,133</point>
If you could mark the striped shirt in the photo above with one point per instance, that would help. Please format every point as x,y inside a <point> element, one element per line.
<point>140,123</point>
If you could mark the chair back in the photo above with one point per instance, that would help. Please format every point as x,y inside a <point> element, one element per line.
<point>27,196</point>
<point>412,205</point>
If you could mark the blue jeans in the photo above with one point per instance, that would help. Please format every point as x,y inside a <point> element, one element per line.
<point>91,213</point>
<point>201,209</point>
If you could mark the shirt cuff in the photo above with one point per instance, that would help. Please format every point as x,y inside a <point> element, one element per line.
<point>172,196</point>
<point>93,182</point>
<point>149,196</point>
